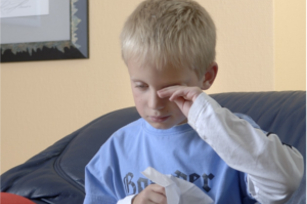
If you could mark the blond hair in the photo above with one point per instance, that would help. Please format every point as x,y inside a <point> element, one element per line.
<point>179,33</point>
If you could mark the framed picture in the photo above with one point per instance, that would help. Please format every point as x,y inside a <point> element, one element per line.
<point>44,30</point>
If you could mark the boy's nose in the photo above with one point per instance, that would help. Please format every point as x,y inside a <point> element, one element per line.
<point>155,102</point>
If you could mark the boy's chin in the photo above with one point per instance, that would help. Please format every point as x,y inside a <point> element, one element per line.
<point>165,126</point>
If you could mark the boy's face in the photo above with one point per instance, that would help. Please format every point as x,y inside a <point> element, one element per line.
<point>147,80</point>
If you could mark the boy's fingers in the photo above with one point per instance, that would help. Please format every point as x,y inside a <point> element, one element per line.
<point>166,92</point>
<point>188,93</point>
<point>158,189</point>
<point>152,194</point>
<point>169,91</point>
<point>158,196</point>
<point>176,94</point>
<point>158,199</point>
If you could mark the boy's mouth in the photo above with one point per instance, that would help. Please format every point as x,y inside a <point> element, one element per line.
<point>158,119</point>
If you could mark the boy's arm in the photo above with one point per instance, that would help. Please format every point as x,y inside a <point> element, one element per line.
<point>274,170</point>
<point>97,187</point>
<point>102,183</point>
<point>93,189</point>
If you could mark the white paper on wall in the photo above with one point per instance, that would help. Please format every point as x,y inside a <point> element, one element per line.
<point>18,8</point>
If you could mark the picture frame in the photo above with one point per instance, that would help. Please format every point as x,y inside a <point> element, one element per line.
<point>62,33</point>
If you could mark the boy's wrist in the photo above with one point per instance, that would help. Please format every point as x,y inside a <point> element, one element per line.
<point>194,110</point>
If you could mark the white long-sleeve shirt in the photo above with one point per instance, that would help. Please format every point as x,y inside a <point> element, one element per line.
<point>274,169</point>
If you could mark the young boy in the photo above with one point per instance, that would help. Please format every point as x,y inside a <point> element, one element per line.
<point>169,49</point>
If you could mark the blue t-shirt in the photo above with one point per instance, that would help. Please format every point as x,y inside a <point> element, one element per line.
<point>115,171</point>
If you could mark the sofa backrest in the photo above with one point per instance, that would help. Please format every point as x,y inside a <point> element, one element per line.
<point>56,175</point>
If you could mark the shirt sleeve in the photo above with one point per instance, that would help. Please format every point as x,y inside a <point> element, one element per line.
<point>274,170</point>
<point>101,178</point>
<point>126,200</point>
<point>97,187</point>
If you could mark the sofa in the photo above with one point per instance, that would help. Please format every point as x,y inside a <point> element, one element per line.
<point>56,175</point>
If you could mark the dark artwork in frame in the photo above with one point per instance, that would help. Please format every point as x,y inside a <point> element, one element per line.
<point>76,47</point>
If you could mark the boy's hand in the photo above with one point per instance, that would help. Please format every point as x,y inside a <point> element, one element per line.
<point>152,194</point>
<point>183,96</point>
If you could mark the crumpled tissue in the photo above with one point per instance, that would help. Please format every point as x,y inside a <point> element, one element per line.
<point>178,191</point>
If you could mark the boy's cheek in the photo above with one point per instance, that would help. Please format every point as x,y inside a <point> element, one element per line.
<point>136,94</point>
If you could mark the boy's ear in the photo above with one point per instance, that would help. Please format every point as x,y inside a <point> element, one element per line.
<point>209,76</point>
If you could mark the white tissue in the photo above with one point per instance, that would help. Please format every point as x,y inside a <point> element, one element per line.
<point>178,191</point>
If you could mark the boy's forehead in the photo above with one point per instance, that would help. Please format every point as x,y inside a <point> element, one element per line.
<point>161,81</point>
<point>171,72</point>
<point>164,76</point>
<point>143,65</point>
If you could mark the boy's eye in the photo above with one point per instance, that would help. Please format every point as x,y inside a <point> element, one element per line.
<point>141,86</point>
